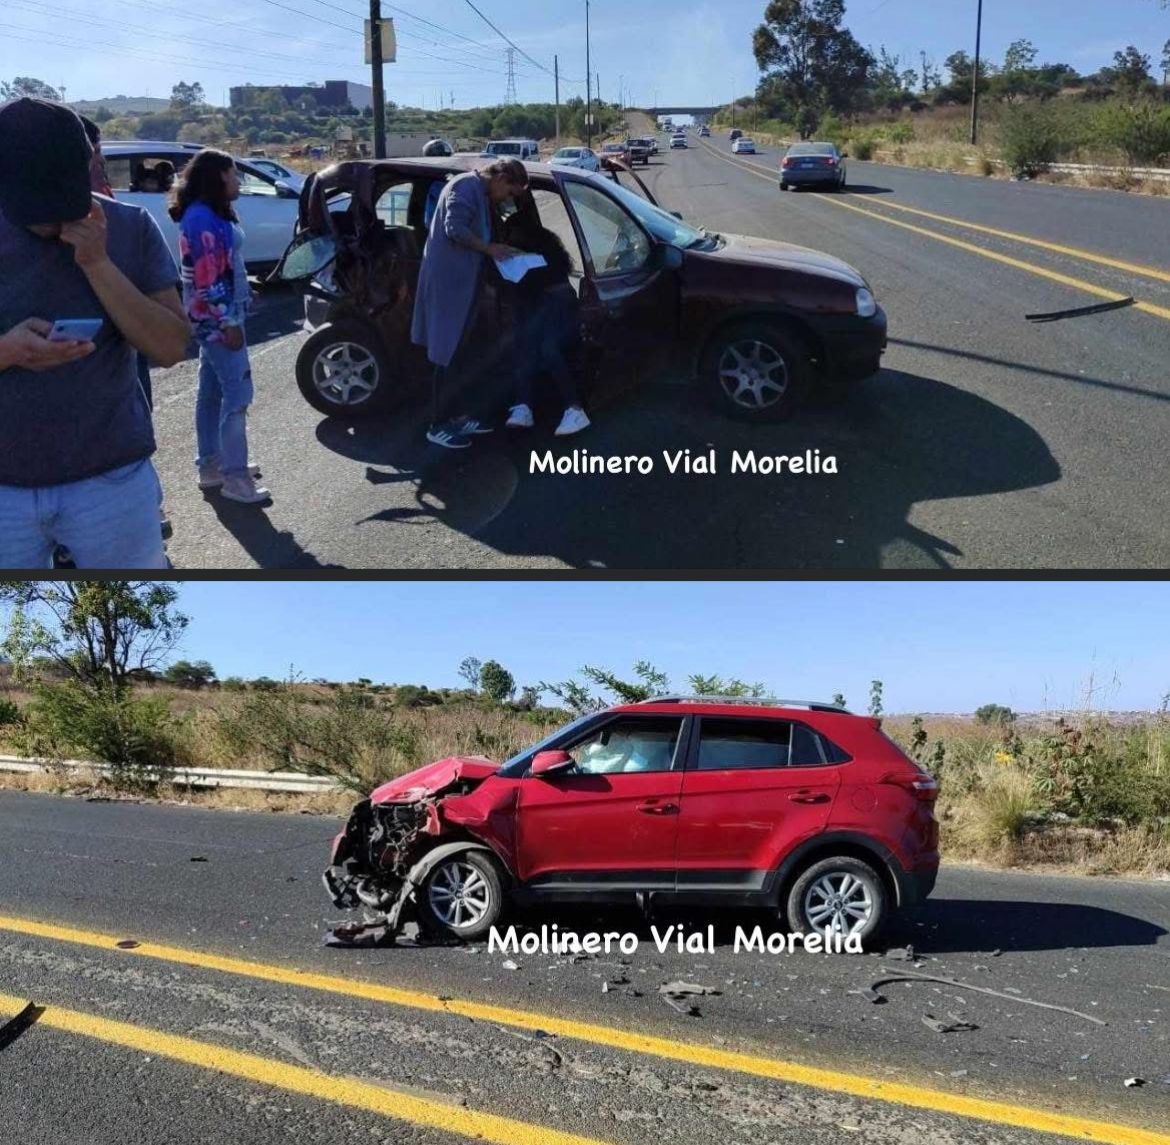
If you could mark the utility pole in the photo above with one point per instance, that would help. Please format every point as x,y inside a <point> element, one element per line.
<point>379,96</point>
<point>975,75</point>
<point>588,90</point>
<point>557,79</point>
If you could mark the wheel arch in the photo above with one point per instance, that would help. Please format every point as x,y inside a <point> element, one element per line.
<point>426,863</point>
<point>832,844</point>
<point>790,320</point>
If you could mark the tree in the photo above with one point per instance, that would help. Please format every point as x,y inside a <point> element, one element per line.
<point>496,682</point>
<point>1131,71</point>
<point>28,86</point>
<point>1020,56</point>
<point>188,674</point>
<point>186,96</point>
<point>650,682</point>
<point>839,700</point>
<point>1166,64</point>
<point>812,62</point>
<point>1017,80</point>
<point>875,697</point>
<point>469,670</point>
<point>997,714</point>
<point>97,633</point>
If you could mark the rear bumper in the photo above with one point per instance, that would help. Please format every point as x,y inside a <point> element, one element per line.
<point>811,177</point>
<point>914,887</point>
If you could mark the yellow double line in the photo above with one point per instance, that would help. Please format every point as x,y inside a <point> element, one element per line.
<point>489,1127</point>
<point>1006,260</point>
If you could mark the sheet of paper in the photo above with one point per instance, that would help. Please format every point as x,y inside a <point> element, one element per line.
<point>516,267</point>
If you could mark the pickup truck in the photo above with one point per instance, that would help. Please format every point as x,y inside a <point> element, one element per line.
<point>638,151</point>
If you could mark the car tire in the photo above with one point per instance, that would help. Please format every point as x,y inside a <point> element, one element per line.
<point>329,351</point>
<point>814,891</point>
<point>783,186</point>
<point>478,875</point>
<point>756,346</point>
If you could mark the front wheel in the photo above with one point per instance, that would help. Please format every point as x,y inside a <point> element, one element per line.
<point>756,371</point>
<point>843,895</point>
<point>343,370</point>
<point>463,897</point>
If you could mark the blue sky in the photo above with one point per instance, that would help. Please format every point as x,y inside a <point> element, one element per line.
<point>688,52</point>
<point>936,647</point>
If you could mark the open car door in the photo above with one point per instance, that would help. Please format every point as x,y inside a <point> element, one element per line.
<point>623,174</point>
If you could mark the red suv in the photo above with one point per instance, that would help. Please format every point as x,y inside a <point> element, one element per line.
<point>800,807</point>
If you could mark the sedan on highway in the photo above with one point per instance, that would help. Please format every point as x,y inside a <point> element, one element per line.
<point>813,165</point>
<point>583,157</point>
<point>757,324</point>
<point>143,172</point>
<point>743,146</point>
<point>799,808</point>
<point>678,140</point>
<point>619,151</point>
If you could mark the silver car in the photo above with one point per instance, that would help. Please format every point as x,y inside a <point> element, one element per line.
<point>813,165</point>
<point>582,157</point>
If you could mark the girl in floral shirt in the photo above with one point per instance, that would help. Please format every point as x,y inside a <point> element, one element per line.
<point>216,295</point>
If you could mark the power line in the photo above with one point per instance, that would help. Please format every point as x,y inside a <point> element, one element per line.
<point>535,63</point>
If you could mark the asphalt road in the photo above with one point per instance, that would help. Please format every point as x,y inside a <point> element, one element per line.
<point>985,442</point>
<point>101,1063</point>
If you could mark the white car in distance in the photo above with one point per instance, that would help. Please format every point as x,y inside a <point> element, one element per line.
<point>583,157</point>
<point>267,207</point>
<point>743,146</point>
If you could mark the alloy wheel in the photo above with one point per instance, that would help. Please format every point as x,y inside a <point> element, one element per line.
<point>459,895</point>
<point>753,374</point>
<point>839,902</point>
<point>345,373</point>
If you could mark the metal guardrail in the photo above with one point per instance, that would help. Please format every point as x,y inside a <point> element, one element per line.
<point>201,777</point>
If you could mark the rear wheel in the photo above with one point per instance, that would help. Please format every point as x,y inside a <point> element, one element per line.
<point>343,370</point>
<point>756,371</point>
<point>463,897</point>
<point>783,186</point>
<point>843,895</point>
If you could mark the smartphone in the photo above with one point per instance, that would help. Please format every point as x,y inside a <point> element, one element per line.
<point>75,329</point>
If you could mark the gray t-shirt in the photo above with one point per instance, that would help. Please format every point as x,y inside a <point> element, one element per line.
<point>90,416</point>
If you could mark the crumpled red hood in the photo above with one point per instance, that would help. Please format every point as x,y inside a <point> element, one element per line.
<point>433,779</point>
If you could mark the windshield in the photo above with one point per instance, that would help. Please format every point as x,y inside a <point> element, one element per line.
<point>504,148</point>
<point>615,147</point>
<point>518,764</point>
<point>661,224</point>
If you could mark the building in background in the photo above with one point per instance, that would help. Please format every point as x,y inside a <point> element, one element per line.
<point>331,94</point>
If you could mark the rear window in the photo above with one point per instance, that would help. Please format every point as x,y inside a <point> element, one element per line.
<point>740,745</point>
<point>812,149</point>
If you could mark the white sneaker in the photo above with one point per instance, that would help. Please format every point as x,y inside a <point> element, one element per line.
<point>520,418</point>
<point>574,421</point>
<point>211,476</point>
<point>243,488</point>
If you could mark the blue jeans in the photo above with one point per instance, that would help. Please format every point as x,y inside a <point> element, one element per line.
<point>106,522</point>
<point>221,409</point>
<point>542,338</point>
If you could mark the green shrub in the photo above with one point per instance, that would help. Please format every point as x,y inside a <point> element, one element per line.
<point>900,132</point>
<point>1141,131</point>
<point>994,714</point>
<point>9,713</point>
<point>831,130</point>
<point>862,147</point>
<point>131,734</point>
<point>1002,804</point>
<point>1030,139</point>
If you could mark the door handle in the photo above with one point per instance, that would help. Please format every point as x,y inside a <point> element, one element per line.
<point>651,808</point>
<point>808,797</point>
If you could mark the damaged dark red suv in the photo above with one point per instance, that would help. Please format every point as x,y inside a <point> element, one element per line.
<point>796,806</point>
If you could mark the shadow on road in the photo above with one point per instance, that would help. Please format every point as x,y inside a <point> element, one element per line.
<point>260,538</point>
<point>973,925</point>
<point>900,440</point>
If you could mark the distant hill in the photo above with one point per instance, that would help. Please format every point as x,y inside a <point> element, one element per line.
<point>123,104</point>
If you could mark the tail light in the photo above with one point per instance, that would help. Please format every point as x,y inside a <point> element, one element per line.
<point>831,161</point>
<point>922,786</point>
<point>787,162</point>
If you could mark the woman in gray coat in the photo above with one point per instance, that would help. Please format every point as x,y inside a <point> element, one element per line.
<point>448,283</point>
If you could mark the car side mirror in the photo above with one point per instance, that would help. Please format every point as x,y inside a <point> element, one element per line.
<point>550,763</point>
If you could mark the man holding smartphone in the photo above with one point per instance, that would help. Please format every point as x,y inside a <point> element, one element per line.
<point>75,430</point>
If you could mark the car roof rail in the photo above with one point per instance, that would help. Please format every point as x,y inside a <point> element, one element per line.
<point>750,701</point>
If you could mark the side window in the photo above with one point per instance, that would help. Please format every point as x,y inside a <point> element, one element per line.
<point>635,743</point>
<point>252,184</point>
<point>554,216</point>
<point>152,174</point>
<point>833,753</point>
<point>806,747</point>
<point>736,745</point>
<point>616,243</point>
<point>393,205</point>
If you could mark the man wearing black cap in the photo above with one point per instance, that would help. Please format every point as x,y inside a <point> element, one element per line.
<point>75,431</point>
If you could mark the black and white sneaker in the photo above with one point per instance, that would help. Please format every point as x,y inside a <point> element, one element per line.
<point>448,437</point>
<point>470,426</point>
